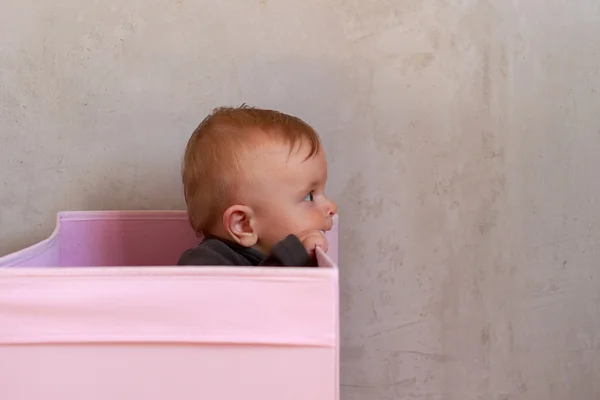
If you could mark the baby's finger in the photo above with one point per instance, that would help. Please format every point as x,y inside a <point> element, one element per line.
<point>322,243</point>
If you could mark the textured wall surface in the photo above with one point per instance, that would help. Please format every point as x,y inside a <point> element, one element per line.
<point>463,139</point>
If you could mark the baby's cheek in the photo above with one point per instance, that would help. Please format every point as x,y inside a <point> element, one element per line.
<point>311,221</point>
<point>291,225</point>
<point>297,225</point>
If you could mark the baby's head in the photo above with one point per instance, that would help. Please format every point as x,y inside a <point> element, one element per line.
<point>254,176</point>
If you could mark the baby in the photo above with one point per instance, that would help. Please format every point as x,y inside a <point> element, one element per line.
<point>254,184</point>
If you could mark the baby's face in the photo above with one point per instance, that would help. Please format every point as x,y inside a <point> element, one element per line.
<point>288,193</point>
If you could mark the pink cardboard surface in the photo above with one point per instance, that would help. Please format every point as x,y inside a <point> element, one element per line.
<point>99,310</point>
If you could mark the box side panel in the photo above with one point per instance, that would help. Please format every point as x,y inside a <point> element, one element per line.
<point>43,254</point>
<point>333,240</point>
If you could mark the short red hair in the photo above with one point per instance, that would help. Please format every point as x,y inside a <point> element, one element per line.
<point>213,155</point>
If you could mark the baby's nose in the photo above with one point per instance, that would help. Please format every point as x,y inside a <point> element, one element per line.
<point>331,208</point>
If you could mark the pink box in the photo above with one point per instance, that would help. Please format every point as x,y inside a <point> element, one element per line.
<point>100,311</point>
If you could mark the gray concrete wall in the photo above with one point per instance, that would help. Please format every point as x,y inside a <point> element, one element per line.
<point>463,139</point>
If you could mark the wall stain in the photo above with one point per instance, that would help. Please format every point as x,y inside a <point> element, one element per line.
<point>417,62</point>
<point>398,327</point>
<point>356,189</point>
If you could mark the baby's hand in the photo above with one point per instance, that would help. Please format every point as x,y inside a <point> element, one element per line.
<point>313,238</point>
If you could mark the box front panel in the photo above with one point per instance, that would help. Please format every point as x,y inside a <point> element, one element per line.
<point>158,372</point>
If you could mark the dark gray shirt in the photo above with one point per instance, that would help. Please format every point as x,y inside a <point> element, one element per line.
<point>289,252</point>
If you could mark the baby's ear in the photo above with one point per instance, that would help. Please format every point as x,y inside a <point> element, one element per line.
<point>238,222</point>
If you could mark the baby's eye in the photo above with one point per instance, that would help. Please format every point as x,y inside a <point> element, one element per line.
<point>309,197</point>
